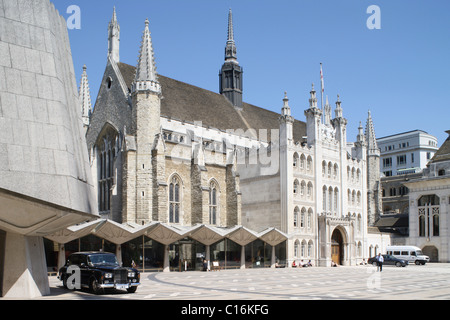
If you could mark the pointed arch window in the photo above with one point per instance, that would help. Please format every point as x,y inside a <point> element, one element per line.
<point>429,207</point>
<point>213,203</point>
<point>296,210</point>
<point>174,200</point>
<point>302,218</point>
<point>105,151</point>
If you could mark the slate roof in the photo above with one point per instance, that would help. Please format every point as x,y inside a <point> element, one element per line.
<point>185,102</point>
<point>443,154</point>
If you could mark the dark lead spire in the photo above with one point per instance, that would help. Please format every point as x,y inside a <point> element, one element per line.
<point>230,76</point>
<point>230,49</point>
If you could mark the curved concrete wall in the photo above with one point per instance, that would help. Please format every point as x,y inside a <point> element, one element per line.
<point>43,152</point>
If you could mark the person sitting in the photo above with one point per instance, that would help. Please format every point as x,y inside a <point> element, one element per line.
<point>293,264</point>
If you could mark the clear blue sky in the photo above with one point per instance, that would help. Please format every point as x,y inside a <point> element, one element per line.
<point>399,72</point>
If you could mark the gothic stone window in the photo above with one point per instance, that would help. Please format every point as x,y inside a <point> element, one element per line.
<point>296,211</point>
<point>106,146</point>
<point>428,206</point>
<point>213,203</point>
<point>174,200</point>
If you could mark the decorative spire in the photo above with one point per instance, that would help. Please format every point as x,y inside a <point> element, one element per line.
<point>313,99</point>
<point>338,110</point>
<point>85,98</point>
<point>114,18</point>
<point>372,145</point>
<point>146,77</point>
<point>361,137</point>
<point>327,112</point>
<point>114,38</point>
<point>231,73</point>
<point>286,110</point>
<point>230,49</point>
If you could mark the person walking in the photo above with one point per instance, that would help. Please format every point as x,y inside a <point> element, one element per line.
<point>380,261</point>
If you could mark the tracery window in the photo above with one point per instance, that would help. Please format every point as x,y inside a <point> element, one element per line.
<point>429,207</point>
<point>106,151</point>
<point>174,200</point>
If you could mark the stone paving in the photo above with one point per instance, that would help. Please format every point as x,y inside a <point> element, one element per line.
<point>431,281</point>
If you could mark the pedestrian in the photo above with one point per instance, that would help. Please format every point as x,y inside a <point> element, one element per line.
<point>380,261</point>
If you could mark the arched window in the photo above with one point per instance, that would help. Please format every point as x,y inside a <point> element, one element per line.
<point>302,162</point>
<point>105,149</point>
<point>324,199</point>
<point>310,212</point>
<point>296,248</point>
<point>302,188</point>
<point>330,199</point>
<point>174,200</point>
<point>303,253</point>
<point>295,186</point>
<point>302,218</point>
<point>296,210</point>
<point>309,163</point>
<point>429,207</point>
<point>310,248</point>
<point>295,160</point>
<point>336,200</point>
<point>213,203</point>
<point>310,190</point>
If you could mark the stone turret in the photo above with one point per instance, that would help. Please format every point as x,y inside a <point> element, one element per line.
<point>146,126</point>
<point>374,192</point>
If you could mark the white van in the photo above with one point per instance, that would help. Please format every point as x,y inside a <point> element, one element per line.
<point>408,253</point>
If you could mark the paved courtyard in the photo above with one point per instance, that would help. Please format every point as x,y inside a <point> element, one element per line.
<point>431,281</point>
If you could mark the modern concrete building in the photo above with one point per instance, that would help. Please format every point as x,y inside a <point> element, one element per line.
<point>45,181</point>
<point>407,152</point>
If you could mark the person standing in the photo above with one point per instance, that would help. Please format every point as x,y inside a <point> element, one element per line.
<point>380,261</point>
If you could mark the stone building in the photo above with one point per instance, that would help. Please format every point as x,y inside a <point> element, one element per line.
<point>429,205</point>
<point>45,181</point>
<point>168,152</point>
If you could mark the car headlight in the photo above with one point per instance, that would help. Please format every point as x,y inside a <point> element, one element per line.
<point>131,274</point>
<point>108,275</point>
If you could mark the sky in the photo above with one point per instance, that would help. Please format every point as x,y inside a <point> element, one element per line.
<point>399,70</point>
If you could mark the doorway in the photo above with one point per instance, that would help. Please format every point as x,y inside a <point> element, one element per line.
<point>186,255</point>
<point>337,252</point>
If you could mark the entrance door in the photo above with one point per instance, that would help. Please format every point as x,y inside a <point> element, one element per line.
<point>336,247</point>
